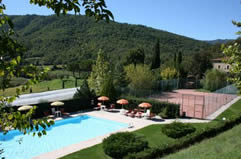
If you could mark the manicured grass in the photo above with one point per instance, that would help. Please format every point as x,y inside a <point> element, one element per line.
<point>224,146</point>
<point>43,86</point>
<point>89,153</point>
<point>231,112</point>
<point>154,135</point>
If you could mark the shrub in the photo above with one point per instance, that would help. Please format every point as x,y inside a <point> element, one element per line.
<point>177,129</point>
<point>169,73</point>
<point>214,79</point>
<point>140,76</point>
<point>120,144</point>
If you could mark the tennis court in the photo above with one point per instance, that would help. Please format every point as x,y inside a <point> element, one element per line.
<point>195,104</point>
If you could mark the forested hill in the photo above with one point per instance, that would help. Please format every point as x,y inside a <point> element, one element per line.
<point>52,39</point>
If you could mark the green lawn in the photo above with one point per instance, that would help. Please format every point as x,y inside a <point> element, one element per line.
<point>154,135</point>
<point>43,86</point>
<point>224,146</point>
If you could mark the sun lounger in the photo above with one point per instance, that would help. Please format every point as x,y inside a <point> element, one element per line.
<point>112,107</point>
<point>98,106</point>
<point>128,112</point>
<point>132,114</point>
<point>64,113</point>
<point>151,116</point>
<point>139,114</point>
<point>46,113</point>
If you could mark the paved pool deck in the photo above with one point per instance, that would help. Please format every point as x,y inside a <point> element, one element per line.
<point>137,123</point>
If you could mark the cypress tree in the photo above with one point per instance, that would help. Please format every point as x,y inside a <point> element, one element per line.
<point>174,60</point>
<point>156,57</point>
<point>179,58</point>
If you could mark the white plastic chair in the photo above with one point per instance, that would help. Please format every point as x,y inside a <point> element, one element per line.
<point>53,111</point>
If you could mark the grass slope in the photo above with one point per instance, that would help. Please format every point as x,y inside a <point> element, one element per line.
<point>225,146</point>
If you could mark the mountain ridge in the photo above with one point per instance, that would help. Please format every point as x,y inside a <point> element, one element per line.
<point>66,38</point>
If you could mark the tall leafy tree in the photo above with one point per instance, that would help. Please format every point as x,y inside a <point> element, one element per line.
<point>140,76</point>
<point>156,57</point>
<point>11,60</point>
<point>100,72</point>
<point>135,56</point>
<point>200,63</point>
<point>169,73</point>
<point>84,92</point>
<point>233,52</point>
<point>120,75</point>
<point>108,89</point>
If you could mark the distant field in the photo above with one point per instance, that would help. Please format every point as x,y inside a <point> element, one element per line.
<point>225,146</point>
<point>43,86</point>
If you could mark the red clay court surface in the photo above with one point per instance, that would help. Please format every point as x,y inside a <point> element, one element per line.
<point>195,104</point>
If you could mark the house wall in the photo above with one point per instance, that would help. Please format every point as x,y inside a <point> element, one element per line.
<point>221,66</point>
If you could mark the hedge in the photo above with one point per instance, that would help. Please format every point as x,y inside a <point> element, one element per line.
<point>164,109</point>
<point>185,141</point>
<point>177,129</point>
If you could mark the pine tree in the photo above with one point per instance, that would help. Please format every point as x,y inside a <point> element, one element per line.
<point>156,57</point>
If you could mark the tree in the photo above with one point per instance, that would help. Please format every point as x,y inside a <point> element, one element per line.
<point>135,56</point>
<point>179,58</point>
<point>174,60</point>
<point>169,73</point>
<point>73,67</point>
<point>84,92</point>
<point>96,8</point>
<point>214,79</point>
<point>200,63</point>
<point>120,76</point>
<point>233,52</point>
<point>156,57</point>
<point>11,61</point>
<point>108,89</point>
<point>100,72</point>
<point>140,76</point>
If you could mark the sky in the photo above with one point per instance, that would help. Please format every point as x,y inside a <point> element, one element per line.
<point>198,19</point>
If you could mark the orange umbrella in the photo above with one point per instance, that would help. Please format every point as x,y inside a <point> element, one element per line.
<point>145,105</point>
<point>122,102</point>
<point>103,98</point>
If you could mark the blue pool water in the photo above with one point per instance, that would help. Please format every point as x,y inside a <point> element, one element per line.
<point>62,133</point>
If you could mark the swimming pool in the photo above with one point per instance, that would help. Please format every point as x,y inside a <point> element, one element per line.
<point>62,133</point>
